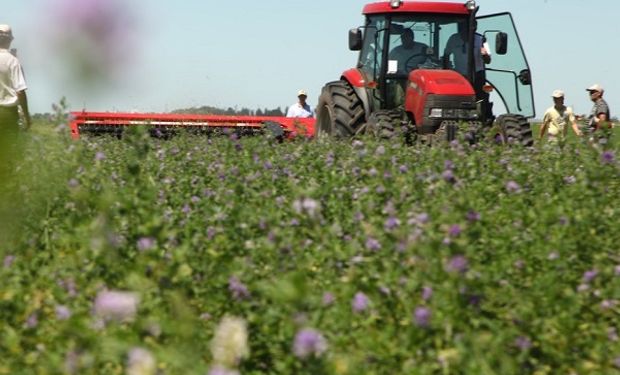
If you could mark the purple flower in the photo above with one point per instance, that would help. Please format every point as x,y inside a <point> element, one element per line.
<point>140,362</point>
<point>583,288</point>
<point>472,216</point>
<point>569,180</point>
<point>93,36</point>
<point>448,164</point>
<point>99,156</point>
<point>32,321</point>
<point>8,261</point>
<point>617,362</point>
<point>211,233</point>
<point>116,305</point>
<point>306,205</point>
<point>422,316</point>
<point>360,302</point>
<point>607,157</point>
<point>73,183</point>
<point>391,223</point>
<point>205,316</point>
<point>427,293</point>
<point>219,370</point>
<point>513,187</point>
<point>608,304</point>
<point>403,169</point>
<point>519,264</point>
<point>328,299</point>
<point>588,276</point>
<point>455,230</point>
<point>146,243</point>
<point>523,343</point>
<point>448,176</point>
<point>423,218</point>
<point>373,244</point>
<point>62,312</point>
<point>457,264</point>
<point>612,334</point>
<point>309,342</point>
<point>237,288</point>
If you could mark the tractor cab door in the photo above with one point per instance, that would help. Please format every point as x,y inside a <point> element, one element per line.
<point>508,72</point>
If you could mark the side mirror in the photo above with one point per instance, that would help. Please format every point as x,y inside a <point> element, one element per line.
<point>525,77</point>
<point>355,39</point>
<point>501,43</point>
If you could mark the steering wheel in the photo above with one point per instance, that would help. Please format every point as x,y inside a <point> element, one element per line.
<point>409,64</point>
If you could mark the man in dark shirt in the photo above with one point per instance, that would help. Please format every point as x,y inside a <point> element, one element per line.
<point>599,117</point>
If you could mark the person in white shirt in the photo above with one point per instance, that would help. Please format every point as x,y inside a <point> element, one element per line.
<point>556,119</point>
<point>12,86</point>
<point>301,108</point>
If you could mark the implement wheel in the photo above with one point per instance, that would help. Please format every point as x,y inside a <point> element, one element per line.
<point>340,113</point>
<point>515,129</point>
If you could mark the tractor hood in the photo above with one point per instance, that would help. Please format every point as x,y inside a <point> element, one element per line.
<point>439,82</point>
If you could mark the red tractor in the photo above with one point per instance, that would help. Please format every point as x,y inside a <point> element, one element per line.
<point>419,74</point>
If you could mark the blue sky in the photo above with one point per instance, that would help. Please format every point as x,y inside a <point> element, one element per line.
<point>259,53</point>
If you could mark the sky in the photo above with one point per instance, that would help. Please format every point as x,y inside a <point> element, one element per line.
<point>158,55</point>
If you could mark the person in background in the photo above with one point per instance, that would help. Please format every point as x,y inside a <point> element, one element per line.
<point>457,47</point>
<point>556,119</point>
<point>301,108</point>
<point>12,86</point>
<point>599,119</point>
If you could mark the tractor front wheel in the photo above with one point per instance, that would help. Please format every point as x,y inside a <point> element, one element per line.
<point>340,112</point>
<point>515,129</point>
<point>389,124</point>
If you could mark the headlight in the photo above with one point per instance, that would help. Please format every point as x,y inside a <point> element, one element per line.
<point>436,113</point>
<point>395,3</point>
<point>454,113</point>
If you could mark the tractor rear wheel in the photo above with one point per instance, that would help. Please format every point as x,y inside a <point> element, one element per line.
<point>515,129</point>
<point>340,112</point>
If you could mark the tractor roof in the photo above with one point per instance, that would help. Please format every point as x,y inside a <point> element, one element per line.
<point>417,7</point>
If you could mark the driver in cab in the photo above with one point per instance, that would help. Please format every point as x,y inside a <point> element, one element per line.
<point>409,54</point>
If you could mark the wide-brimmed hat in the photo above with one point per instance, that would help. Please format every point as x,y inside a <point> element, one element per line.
<point>557,94</point>
<point>302,93</point>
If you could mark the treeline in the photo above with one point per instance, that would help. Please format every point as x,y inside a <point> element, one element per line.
<point>208,110</point>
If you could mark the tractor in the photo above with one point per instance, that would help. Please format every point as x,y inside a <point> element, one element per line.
<point>431,88</point>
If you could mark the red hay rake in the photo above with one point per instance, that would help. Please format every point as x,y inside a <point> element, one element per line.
<point>167,124</point>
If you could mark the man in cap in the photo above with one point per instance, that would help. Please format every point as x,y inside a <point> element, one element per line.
<point>12,86</point>
<point>301,108</point>
<point>599,117</point>
<point>557,118</point>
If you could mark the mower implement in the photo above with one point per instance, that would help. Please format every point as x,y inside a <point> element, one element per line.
<point>167,124</point>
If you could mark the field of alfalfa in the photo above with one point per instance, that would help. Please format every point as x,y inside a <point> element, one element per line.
<point>243,256</point>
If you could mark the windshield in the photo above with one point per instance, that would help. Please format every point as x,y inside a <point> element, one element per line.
<point>413,41</point>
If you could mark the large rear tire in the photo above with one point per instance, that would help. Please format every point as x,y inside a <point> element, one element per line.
<point>340,112</point>
<point>515,129</point>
